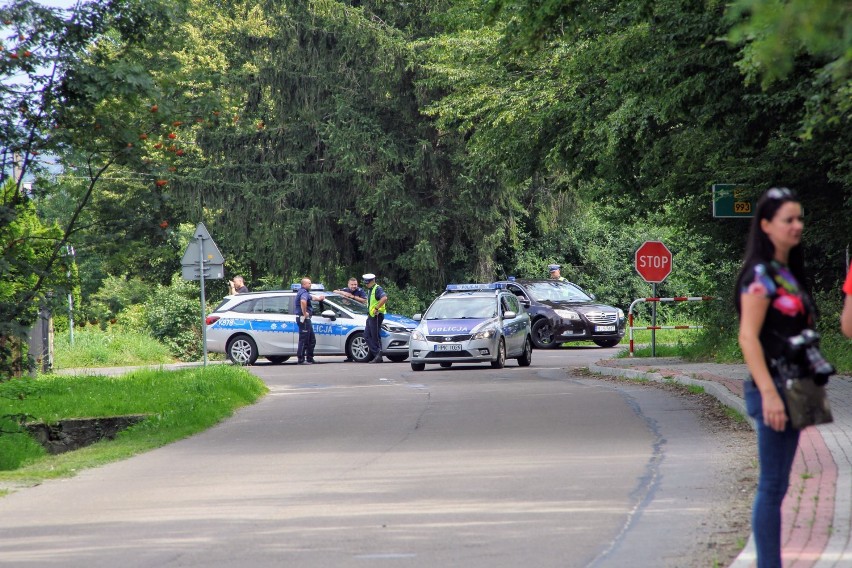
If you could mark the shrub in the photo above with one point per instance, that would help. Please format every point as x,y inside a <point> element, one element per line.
<point>173,314</point>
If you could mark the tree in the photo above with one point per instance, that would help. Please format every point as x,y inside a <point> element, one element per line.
<point>61,98</point>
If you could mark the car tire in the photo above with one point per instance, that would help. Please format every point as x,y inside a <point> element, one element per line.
<point>500,362</point>
<point>357,348</point>
<point>397,358</point>
<point>277,359</point>
<point>446,365</point>
<point>526,357</point>
<point>543,334</point>
<point>418,366</point>
<point>607,342</point>
<point>242,350</point>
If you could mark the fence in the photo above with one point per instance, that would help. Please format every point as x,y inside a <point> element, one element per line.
<point>631,327</point>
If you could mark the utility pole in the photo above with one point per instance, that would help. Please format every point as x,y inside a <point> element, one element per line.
<point>17,167</point>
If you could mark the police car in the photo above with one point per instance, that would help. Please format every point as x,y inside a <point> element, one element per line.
<point>472,323</point>
<point>263,324</point>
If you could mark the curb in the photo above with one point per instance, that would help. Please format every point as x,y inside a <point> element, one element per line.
<point>747,557</point>
<point>719,391</point>
<point>816,518</point>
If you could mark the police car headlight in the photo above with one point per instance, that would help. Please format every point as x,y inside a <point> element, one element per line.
<point>417,336</point>
<point>484,334</point>
<point>393,327</point>
<point>568,314</point>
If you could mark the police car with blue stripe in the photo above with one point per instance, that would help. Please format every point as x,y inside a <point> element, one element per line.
<point>472,323</point>
<point>263,324</point>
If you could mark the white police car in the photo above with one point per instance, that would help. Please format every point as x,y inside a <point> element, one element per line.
<point>263,324</point>
<point>472,323</point>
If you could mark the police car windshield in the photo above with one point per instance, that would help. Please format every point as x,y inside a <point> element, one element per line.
<point>450,307</point>
<point>556,292</point>
<point>349,304</point>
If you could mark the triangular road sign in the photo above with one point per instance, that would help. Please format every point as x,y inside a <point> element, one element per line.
<point>211,251</point>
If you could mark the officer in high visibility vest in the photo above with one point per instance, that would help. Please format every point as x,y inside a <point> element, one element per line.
<point>376,300</point>
<point>555,274</point>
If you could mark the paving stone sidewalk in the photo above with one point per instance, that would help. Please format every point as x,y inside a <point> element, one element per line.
<point>817,512</point>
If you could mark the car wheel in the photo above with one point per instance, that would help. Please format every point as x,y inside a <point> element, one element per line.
<point>543,334</point>
<point>397,358</point>
<point>357,348</point>
<point>418,366</point>
<point>607,342</point>
<point>242,350</point>
<point>500,362</point>
<point>526,357</point>
<point>446,365</point>
<point>277,359</point>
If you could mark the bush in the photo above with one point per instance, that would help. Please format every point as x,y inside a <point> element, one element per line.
<point>173,314</point>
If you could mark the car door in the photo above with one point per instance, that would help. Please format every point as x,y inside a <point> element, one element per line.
<point>514,329</point>
<point>274,325</point>
<point>328,333</point>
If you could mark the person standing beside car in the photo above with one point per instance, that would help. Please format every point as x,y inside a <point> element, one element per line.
<point>237,286</point>
<point>304,311</point>
<point>353,291</point>
<point>555,273</point>
<point>376,300</point>
<point>773,304</point>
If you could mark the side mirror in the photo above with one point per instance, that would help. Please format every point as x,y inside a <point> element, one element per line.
<point>329,314</point>
<point>417,317</point>
<point>524,302</point>
<point>509,315</point>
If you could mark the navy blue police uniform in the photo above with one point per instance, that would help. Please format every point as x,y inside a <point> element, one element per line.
<point>372,332</point>
<point>307,338</point>
<point>358,292</point>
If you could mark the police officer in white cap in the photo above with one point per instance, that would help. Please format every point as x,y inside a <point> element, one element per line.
<point>376,300</point>
<point>555,274</point>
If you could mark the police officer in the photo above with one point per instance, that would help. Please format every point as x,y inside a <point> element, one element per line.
<point>353,291</point>
<point>555,274</point>
<point>304,311</point>
<point>376,300</point>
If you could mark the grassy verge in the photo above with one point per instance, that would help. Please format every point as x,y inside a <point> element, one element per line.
<point>179,404</point>
<point>96,348</point>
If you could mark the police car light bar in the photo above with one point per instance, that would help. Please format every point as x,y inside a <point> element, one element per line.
<point>315,287</point>
<point>473,287</point>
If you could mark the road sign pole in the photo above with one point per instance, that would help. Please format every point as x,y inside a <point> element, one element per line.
<point>203,310</point>
<point>654,321</point>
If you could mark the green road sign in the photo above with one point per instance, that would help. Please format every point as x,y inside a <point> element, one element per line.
<point>731,200</point>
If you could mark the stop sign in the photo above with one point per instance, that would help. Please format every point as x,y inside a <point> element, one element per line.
<point>653,261</point>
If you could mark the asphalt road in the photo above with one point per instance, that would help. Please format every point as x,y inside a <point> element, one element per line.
<point>347,464</point>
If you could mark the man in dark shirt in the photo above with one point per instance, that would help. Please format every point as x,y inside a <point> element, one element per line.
<point>237,286</point>
<point>304,311</point>
<point>353,291</point>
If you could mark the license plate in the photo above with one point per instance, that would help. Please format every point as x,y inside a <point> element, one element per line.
<point>599,328</point>
<point>448,347</point>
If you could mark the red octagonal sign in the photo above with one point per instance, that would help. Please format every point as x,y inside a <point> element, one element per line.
<point>653,261</point>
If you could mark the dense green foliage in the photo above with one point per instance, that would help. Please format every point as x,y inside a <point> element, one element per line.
<point>427,141</point>
<point>178,404</point>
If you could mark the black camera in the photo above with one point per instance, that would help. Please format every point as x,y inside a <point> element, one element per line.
<point>803,350</point>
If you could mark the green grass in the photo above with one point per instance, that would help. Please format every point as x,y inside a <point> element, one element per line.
<point>96,348</point>
<point>178,404</point>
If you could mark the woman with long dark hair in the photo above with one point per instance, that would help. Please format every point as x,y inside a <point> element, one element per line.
<point>774,303</point>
